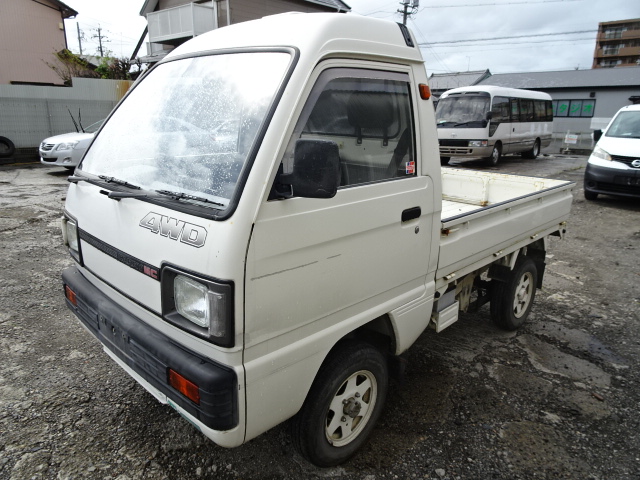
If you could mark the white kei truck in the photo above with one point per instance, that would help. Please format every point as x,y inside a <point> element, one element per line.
<point>262,227</point>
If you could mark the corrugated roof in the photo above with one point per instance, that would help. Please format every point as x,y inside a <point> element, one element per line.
<point>447,81</point>
<point>597,77</point>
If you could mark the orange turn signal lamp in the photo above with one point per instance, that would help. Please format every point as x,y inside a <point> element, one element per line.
<point>71,295</point>
<point>425,91</point>
<point>184,386</point>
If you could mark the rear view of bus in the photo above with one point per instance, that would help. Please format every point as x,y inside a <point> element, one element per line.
<point>488,122</point>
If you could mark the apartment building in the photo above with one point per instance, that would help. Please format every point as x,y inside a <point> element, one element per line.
<point>173,22</point>
<point>618,44</point>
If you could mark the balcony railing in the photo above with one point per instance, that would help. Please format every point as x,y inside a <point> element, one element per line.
<point>620,52</point>
<point>173,24</point>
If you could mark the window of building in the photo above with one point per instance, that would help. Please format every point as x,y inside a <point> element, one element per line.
<point>573,108</point>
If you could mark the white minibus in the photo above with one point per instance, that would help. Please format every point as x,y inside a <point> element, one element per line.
<point>488,121</point>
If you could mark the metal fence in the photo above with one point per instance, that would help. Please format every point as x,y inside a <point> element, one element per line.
<point>29,114</point>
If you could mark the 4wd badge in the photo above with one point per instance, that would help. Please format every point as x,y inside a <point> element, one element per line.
<point>175,229</point>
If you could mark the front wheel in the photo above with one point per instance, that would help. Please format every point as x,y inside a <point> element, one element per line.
<point>512,298</point>
<point>7,148</point>
<point>444,160</point>
<point>494,158</point>
<point>343,404</point>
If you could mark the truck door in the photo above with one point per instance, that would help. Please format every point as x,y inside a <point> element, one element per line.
<point>315,265</point>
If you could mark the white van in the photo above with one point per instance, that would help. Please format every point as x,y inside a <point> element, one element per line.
<point>488,121</point>
<point>614,165</point>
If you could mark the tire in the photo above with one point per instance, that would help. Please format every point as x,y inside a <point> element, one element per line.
<point>343,405</point>
<point>589,195</point>
<point>444,160</point>
<point>534,152</point>
<point>511,300</point>
<point>7,148</point>
<point>494,158</point>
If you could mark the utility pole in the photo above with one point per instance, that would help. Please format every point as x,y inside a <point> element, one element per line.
<point>406,6</point>
<point>100,38</point>
<point>80,37</point>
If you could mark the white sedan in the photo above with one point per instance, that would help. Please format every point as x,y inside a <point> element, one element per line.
<point>66,150</point>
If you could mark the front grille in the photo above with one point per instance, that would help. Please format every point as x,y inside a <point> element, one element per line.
<point>625,160</point>
<point>616,188</point>
<point>46,147</point>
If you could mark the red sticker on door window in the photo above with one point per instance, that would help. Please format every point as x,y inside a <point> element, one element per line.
<point>410,168</point>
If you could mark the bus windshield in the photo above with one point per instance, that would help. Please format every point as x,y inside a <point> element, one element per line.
<point>463,111</point>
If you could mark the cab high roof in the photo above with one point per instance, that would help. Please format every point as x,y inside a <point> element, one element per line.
<point>315,35</point>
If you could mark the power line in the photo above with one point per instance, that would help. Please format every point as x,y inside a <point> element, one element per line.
<point>504,38</point>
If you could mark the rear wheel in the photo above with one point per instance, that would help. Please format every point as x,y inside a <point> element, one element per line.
<point>496,153</point>
<point>343,405</point>
<point>534,152</point>
<point>512,298</point>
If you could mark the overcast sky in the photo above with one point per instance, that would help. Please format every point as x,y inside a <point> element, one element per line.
<point>504,36</point>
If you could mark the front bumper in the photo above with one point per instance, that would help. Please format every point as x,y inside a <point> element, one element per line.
<point>150,354</point>
<point>621,181</point>
<point>465,151</point>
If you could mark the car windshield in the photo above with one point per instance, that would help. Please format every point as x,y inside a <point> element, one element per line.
<point>625,125</point>
<point>188,127</point>
<point>462,111</point>
<point>94,127</point>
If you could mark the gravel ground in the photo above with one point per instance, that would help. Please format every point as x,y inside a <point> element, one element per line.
<point>558,399</point>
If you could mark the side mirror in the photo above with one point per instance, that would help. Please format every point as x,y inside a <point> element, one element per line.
<point>316,170</point>
<point>596,135</point>
<point>489,115</point>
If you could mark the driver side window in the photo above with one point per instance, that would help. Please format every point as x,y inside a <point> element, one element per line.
<point>368,115</point>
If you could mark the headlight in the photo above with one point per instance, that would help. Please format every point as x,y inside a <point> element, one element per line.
<point>600,153</point>
<point>66,146</point>
<point>201,306</point>
<point>70,237</point>
<point>477,143</point>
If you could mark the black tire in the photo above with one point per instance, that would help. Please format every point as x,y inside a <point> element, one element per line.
<point>589,195</point>
<point>343,405</point>
<point>444,160</point>
<point>494,158</point>
<point>534,152</point>
<point>7,148</point>
<point>512,299</point>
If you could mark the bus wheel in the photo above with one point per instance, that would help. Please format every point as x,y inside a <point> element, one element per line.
<point>343,404</point>
<point>534,152</point>
<point>496,153</point>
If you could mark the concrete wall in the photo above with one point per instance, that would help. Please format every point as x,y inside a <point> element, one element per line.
<point>30,34</point>
<point>29,114</point>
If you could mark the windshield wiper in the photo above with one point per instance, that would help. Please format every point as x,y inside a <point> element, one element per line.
<point>76,179</point>
<point>118,182</point>
<point>185,196</point>
<point>466,123</point>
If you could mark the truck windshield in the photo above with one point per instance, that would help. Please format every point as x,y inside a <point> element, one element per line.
<point>462,111</point>
<point>189,126</point>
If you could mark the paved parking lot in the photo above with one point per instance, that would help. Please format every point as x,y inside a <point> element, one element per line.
<point>559,398</point>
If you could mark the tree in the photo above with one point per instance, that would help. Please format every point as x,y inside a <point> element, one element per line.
<point>68,65</point>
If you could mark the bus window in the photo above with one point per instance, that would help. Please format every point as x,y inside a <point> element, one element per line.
<point>500,110</point>
<point>515,110</point>
<point>539,110</point>
<point>526,110</point>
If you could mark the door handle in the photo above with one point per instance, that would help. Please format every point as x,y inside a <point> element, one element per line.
<point>411,214</point>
